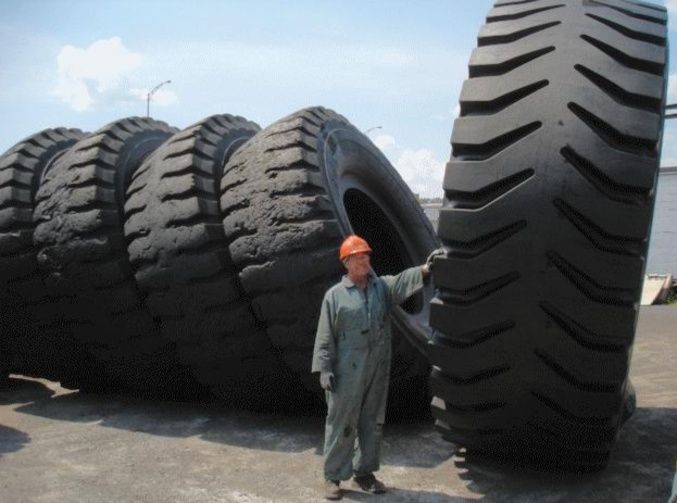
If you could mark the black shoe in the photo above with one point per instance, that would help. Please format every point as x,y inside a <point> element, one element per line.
<point>332,491</point>
<point>369,483</point>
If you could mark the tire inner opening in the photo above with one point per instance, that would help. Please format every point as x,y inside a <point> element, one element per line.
<point>389,254</point>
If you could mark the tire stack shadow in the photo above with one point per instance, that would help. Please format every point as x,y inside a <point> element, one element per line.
<point>12,440</point>
<point>645,451</point>
<point>19,391</point>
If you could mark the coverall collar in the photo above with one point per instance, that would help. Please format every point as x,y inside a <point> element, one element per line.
<point>348,283</point>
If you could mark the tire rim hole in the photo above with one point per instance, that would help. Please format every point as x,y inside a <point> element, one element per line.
<point>390,255</point>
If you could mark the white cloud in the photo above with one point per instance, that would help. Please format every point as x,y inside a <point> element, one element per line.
<point>90,74</point>
<point>384,141</point>
<point>161,97</point>
<point>422,171</point>
<point>419,168</point>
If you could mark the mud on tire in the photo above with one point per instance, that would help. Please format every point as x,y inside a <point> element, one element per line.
<point>82,253</point>
<point>31,346</point>
<point>549,196</point>
<point>180,256</point>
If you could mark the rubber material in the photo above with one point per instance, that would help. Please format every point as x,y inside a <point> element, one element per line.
<point>37,348</point>
<point>179,252</point>
<point>82,253</point>
<point>549,196</point>
<point>289,196</point>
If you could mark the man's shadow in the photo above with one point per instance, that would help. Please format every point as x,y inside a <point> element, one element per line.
<point>397,495</point>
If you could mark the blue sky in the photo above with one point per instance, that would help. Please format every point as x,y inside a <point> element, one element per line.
<point>392,63</point>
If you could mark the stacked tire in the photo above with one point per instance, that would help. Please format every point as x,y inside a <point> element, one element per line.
<point>79,239</point>
<point>179,251</point>
<point>289,196</point>
<point>31,343</point>
<point>549,196</point>
<point>170,262</point>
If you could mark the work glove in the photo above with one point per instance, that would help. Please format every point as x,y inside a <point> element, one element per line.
<point>327,381</point>
<point>430,261</point>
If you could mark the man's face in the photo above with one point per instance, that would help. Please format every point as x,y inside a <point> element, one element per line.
<point>358,265</point>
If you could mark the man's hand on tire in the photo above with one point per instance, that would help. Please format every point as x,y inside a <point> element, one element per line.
<point>327,381</point>
<point>430,261</point>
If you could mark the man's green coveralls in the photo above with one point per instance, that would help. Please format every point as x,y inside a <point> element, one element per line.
<point>353,341</point>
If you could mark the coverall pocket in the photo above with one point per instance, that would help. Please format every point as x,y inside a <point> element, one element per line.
<point>354,339</point>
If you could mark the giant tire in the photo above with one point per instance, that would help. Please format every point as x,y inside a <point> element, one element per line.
<point>37,347</point>
<point>549,197</point>
<point>82,253</point>
<point>178,249</point>
<point>288,196</point>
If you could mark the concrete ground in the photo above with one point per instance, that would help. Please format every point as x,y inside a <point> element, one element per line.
<point>59,445</point>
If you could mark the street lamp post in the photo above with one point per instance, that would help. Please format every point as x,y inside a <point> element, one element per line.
<point>151,93</point>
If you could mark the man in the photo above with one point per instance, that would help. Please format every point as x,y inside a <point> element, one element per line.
<point>352,355</point>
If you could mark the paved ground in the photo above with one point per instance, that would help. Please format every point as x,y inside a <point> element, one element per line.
<point>63,446</point>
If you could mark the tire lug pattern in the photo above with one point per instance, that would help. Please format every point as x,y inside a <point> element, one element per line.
<point>549,195</point>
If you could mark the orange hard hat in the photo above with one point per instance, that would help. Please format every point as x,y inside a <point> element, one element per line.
<point>353,245</point>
